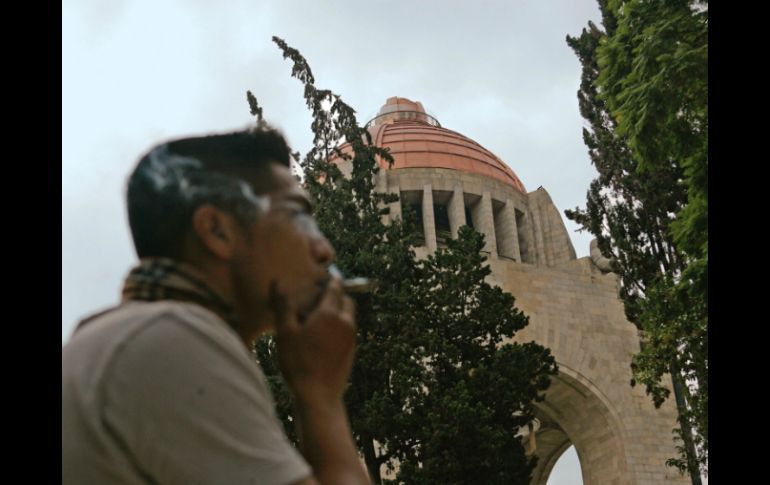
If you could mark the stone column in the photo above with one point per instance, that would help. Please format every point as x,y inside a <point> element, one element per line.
<point>548,242</point>
<point>456,211</point>
<point>487,223</point>
<point>509,237</point>
<point>428,219</point>
<point>381,187</point>
<point>395,207</point>
<point>537,232</point>
<point>523,233</point>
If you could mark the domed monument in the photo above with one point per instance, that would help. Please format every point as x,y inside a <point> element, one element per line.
<point>573,304</point>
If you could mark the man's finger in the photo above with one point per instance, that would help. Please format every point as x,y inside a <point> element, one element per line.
<point>331,299</point>
<point>349,308</point>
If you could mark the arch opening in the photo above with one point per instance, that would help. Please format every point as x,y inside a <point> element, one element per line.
<point>574,414</point>
<point>566,471</point>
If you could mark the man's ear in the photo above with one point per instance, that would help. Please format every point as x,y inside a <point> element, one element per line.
<point>217,230</point>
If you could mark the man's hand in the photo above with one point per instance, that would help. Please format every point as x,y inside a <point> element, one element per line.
<point>316,356</point>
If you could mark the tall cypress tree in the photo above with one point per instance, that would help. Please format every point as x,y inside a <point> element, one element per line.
<point>436,394</point>
<point>644,92</point>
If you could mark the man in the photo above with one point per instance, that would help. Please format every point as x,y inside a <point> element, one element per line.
<point>163,388</point>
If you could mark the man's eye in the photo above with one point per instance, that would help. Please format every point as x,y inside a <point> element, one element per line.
<point>297,212</point>
<point>292,209</point>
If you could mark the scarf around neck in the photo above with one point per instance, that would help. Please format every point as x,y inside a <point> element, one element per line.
<point>156,279</point>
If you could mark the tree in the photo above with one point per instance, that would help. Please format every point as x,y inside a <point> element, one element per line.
<point>644,93</point>
<point>475,388</point>
<point>432,385</point>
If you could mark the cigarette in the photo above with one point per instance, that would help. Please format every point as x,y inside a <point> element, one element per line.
<point>359,285</point>
<point>353,285</point>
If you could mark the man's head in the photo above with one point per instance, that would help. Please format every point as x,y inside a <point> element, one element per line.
<point>175,178</point>
<point>229,205</point>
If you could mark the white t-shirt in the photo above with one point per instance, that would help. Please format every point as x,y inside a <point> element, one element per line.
<point>167,393</point>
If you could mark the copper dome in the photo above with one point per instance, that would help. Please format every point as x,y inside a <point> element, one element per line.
<point>417,140</point>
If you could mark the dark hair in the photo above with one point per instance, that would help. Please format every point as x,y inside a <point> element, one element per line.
<point>175,178</point>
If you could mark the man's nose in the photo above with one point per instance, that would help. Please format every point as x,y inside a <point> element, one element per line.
<point>322,249</point>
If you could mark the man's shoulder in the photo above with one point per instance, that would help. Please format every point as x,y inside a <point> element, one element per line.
<point>141,338</point>
<point>153,324</point>
<point>132,317</point>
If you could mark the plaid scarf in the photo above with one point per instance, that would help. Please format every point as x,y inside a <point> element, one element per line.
<point>156,279</point>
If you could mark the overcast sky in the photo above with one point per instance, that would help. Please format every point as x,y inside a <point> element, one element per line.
<point>137,72</point>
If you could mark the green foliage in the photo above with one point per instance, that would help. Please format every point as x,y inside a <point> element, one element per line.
<point>462,408</point>
<point>434,387</point>
<point>644,92</point>
<point>266,353</point>
<point>676,342</point>
<point>254,108</point>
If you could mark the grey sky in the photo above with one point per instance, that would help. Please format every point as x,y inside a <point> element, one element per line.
<point>136,72</point>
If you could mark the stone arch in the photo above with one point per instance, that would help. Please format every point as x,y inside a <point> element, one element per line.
<point>577,413</point>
